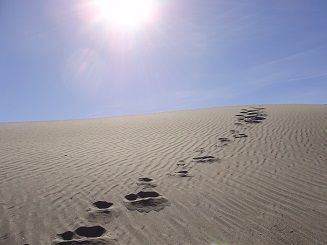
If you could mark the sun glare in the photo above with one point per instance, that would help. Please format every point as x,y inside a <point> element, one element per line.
<point>125,14</point>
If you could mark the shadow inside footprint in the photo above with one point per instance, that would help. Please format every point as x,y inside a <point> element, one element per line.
<point>90,231</point>
<point>145,194</point>
<point>102,204</point>
<point>131,197</point>
<point>223,139</point>
<point>145,179</point>
<point>68,235</point>
<point>205,159</point>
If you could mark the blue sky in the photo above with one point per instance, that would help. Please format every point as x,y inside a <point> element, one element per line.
<point>200,53</point>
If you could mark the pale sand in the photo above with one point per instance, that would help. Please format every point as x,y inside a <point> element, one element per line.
<point>267,188</point>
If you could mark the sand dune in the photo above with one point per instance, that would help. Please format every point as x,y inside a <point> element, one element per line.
<point>232,175</point>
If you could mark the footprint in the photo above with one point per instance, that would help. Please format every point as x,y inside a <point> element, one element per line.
<point>84,235</point>
<point>259,118</point>
<point>223,139</point>
<point>102,207</point>
<point>145,201</point>
<point>205,159</point>
<point>102,211</point>
<point>181,173</point>
<point>240,136</point>
<point>146,182</point>
<point>252,113</point>
<point>254,119</point>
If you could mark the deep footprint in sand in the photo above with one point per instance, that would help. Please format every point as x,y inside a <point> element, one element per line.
<point>102,211</point>
<point>145,201</point>
<point>84,235</point>
<point>101,207</point>
<point>146,182</point>
<point>183,173</point>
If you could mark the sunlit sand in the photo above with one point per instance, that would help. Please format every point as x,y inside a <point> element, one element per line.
<point>234,175</point>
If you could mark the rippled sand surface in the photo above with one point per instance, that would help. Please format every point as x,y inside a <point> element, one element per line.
<point>232,175</point>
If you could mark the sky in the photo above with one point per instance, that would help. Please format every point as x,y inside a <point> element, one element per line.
<point>59,60</point>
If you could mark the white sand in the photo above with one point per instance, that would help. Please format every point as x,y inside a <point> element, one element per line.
<point>267,188</point>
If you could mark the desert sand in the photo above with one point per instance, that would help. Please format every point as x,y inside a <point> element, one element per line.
<point>240,175</point>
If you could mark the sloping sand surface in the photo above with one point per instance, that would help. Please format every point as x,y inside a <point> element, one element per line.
<point>232,175</point>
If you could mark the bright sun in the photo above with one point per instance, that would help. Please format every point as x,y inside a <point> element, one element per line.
<point>125,14</point>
